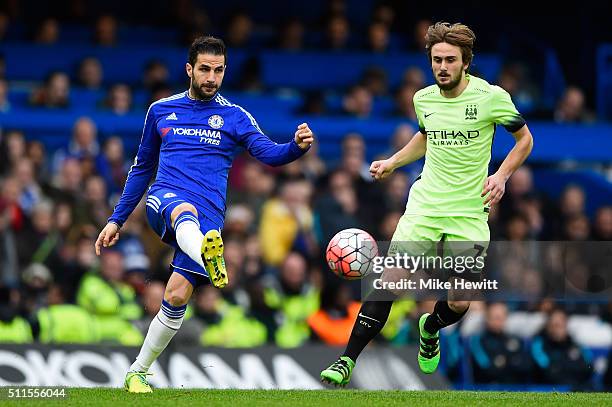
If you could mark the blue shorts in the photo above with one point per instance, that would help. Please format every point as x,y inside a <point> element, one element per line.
<point>160,204</point>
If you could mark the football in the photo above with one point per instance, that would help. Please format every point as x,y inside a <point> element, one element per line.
<point>350,253</point>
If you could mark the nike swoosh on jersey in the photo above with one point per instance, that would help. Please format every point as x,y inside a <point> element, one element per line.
<point>427,115</point>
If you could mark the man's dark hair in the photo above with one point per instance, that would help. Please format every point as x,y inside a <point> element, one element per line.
<point>206,45</point>
<point>456,34</point>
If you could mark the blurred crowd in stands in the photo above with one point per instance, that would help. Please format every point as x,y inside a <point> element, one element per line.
<point>278,222</point>
<point>53,288</point>
<point>333,32</point>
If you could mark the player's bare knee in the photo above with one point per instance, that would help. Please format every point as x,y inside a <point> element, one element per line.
<point>184,207</point>
<point>177,296</point>
<point>458,306</point>
<point>394,275</point>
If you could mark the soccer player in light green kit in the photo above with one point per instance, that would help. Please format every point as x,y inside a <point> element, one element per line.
<point>450,200</point>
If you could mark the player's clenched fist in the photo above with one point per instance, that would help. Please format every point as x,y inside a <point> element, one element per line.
<point>381,169</point>
<point>304,136</point>
<point>107,237</point>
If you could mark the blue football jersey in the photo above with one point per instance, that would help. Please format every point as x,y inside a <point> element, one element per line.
<point>193,143</point>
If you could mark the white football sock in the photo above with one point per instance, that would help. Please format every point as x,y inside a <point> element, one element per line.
<point>162,329</point>
<point>189,237</point>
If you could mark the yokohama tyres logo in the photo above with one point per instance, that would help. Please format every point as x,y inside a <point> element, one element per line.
<point>184,131</point>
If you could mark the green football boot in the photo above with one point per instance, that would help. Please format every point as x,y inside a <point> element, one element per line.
<point>212,256</point>
<point>429,348</point>
<point>339,373</point>
<point>136,382</point>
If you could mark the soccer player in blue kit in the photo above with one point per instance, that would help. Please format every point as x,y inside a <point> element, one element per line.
<point>192,138</point>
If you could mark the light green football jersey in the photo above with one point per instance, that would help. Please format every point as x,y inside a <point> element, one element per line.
<point>459,135</point>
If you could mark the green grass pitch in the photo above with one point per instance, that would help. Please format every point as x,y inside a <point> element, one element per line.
<point>331,398</point>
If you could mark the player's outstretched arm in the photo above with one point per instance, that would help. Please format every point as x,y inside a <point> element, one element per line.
<point>495,185</point>
<point>137,182</point>
<point>411,152</point>
<point>267,151</point>
<point>107,237</point>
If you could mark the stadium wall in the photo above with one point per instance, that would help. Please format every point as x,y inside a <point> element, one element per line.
<point>552,142</point>
<point>257,368</point>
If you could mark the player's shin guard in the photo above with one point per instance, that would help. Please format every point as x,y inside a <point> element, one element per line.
<point>162,329</point>
<point>188,236</point>
<point>370,321</point>
<point>442,316</point>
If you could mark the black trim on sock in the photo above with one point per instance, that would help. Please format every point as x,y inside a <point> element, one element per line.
<point>442,316</point>
<point>370,321</point>
<point>164,324</point>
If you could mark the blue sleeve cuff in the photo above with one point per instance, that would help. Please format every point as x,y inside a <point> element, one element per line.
<point>115,221</point>
<point>295,149</point>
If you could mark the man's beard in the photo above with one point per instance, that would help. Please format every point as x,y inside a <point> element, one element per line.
<point>197,92</point>
<point>448,86</point>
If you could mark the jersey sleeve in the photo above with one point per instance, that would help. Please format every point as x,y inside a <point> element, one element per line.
<point>260,146</point>
<point>141,172</point>
<point>419,114</point>
<point>504,112</point>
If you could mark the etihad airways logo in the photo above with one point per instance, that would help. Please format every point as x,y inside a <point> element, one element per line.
<point>451,137</point>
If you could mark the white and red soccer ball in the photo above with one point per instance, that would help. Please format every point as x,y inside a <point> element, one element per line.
<point>350,253</point>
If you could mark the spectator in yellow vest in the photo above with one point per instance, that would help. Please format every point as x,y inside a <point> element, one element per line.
<point>111,300</point>
<point>294,298</point>
<point>13,327</point>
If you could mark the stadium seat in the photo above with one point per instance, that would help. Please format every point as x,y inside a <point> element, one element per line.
<point>280,104</point>
<point>604,81</point>
<point>114,61</point>
<point>525,324</point>
<point>588,330</point>
<point>315,70</point>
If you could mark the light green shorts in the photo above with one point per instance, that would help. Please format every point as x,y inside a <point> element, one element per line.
<point>428,235</point>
